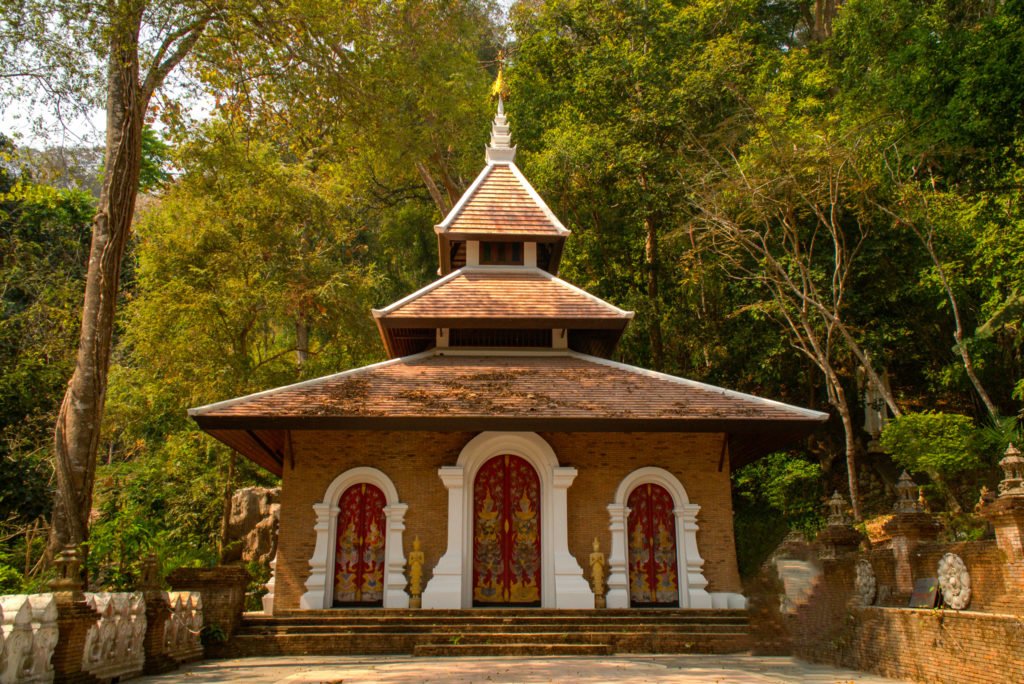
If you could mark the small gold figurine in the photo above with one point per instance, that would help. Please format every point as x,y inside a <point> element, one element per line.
<point>416,574</point>
<point>597,574</point>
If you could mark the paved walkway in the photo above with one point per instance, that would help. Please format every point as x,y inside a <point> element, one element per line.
<point>678,669</point>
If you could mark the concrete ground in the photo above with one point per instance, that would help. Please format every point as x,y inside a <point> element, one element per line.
<point>679,669</point>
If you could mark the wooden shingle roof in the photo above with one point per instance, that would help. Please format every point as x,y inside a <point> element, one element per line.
<point>550,391</point>
<point>502,203</point>
<point>514,295</point>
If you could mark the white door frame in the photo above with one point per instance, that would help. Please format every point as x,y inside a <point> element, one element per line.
<point>320,584</point>
<point>562,582</point>
<point>689,564</point>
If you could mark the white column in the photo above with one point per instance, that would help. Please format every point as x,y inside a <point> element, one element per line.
<point>618,580</point>
<point>317,593</point>
<point>394,562</point>
<point>571,589</point>
<point>691,565</point>
<point>444,590</point>
<point>472,252</point>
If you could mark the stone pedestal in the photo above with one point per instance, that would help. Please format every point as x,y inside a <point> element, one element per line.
<point>1007,517</point>
<point>155,643</point>
<point>74,618</point>
<point>908,531</point>
<point>222,589</point>
<point>836,541</point>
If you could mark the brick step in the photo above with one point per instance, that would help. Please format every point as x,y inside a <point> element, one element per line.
<point>273,630</point>
<point>496,612</point>
<point>495,620</point>
<point>455,650</point>
<point>370,643</point>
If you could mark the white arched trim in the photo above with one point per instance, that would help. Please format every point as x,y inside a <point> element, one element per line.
<point>320,585</point>
<point>692,583</point>
<point>562,582</point>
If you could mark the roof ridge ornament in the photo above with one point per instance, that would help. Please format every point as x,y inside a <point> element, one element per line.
<point>501,149</point>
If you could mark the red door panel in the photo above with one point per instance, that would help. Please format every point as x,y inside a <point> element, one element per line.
<point>506,533</point>
<point>359,554</point>
<point>653,575</point>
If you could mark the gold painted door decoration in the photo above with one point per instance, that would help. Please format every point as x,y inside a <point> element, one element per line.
<point>359,554</point>
<point>506,533</point>
<point>653,575</point>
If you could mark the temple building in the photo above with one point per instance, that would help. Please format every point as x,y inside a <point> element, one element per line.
<point>502,440</point>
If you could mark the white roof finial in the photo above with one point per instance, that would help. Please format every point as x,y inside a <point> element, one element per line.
<point>501,148</point>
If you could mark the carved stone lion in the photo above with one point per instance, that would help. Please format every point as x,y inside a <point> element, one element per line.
<point>865,584</point>
<point>954,581</point>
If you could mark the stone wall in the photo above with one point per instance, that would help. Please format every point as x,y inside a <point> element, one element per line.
<point>411,460</point>
<point>809,606</point>
<point>223,593</point>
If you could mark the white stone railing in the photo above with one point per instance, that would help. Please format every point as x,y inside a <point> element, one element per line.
<point>114,645</point>
<point>181,634</point>
<point>28,635</point>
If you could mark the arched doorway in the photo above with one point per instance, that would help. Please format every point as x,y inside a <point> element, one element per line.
<point>653,570</point>
<point>359,558</point>
<point>506,533</point>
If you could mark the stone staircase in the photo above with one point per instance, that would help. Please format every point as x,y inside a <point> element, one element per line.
<point>521,632</point>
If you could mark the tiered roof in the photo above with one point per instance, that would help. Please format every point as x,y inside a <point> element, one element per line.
<point>452,368</point>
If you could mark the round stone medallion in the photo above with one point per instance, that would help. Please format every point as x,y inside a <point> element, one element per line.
<point>864,583</point>
<point>954,581</point>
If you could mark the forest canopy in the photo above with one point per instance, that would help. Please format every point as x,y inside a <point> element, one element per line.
<point>820,203</point>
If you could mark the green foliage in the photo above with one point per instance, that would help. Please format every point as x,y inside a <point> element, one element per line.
<point>945,443</point>
<point>257,588</point>
<point>778,493</point>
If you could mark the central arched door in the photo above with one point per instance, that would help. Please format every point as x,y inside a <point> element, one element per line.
<point>359,558</point>
<point>506,533</point>
<point>653,574</point>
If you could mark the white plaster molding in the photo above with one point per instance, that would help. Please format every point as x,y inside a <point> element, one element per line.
<point>618,581</point>
<point>183,626</point>
<point>689,564</point>
<point>562,582</point>
<point>319,586</point>
<point>28,636</point>
<point>114,644</point>
<point>268,598</point>
<point>444,590</point>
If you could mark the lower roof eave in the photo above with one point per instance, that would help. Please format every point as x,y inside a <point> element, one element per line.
<point>510,423</point>
<point>748,439</point>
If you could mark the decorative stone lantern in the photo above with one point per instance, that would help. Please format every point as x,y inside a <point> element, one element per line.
<point>910,527</point>
<point>906,495</point>
<point>1013,473</point>
<point>837,510</point>
<point>839,537</point>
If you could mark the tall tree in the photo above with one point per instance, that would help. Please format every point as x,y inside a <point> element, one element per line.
<point>133,46</point>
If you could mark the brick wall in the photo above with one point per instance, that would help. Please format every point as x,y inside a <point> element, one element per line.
<point>411,460</point>
<point>941,646</point>
<point>604,459</point>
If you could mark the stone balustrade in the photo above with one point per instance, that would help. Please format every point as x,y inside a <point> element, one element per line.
<point>113,645</point>
<point>28,635</point>
<point>181,633</point>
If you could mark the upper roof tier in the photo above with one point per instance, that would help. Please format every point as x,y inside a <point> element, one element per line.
<point>500,206</point>
<point>493,298</point>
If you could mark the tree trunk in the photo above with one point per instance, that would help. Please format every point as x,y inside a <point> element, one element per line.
<point>301,340</point>
<point>850,444</point>
<point>225,520</point>
<point>651,259</point>
<point>77,433</point>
